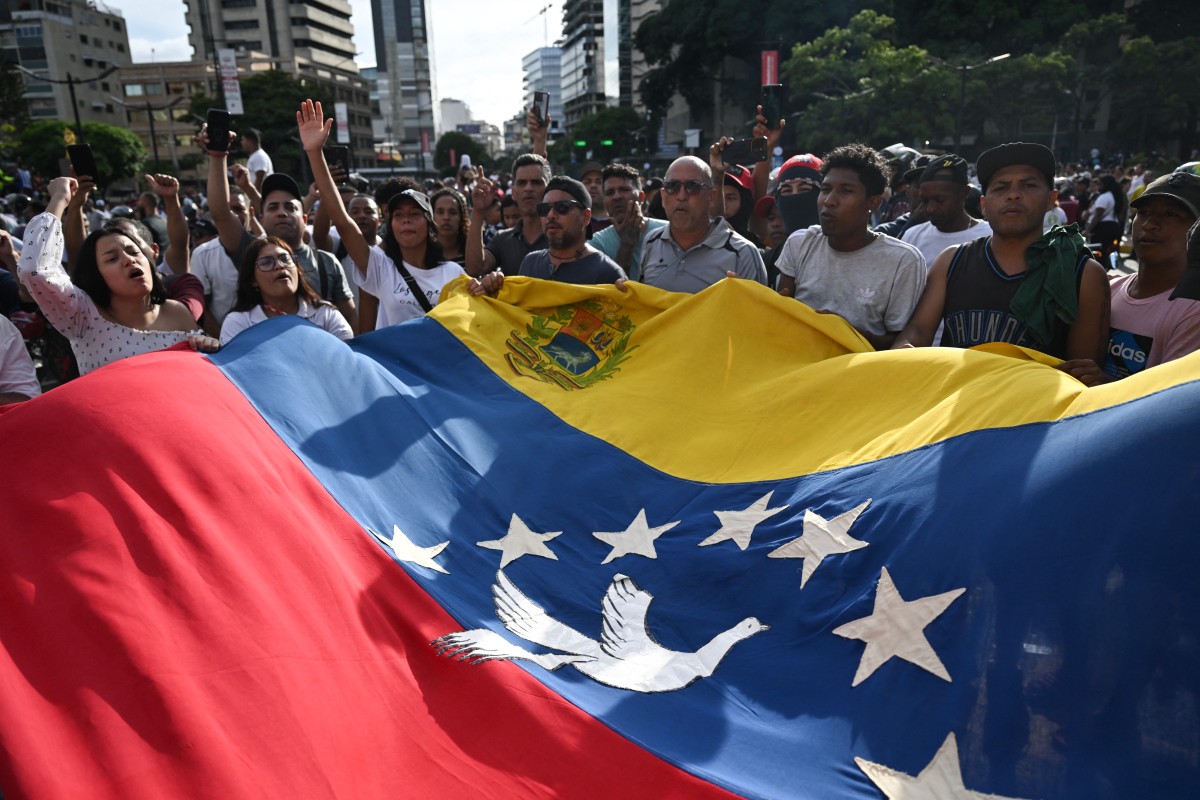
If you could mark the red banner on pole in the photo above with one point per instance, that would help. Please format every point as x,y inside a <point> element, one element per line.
<point>770,67</point>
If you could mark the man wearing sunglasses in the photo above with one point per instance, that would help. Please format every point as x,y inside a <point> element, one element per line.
<point>694,251</point>
<point>565,211</point>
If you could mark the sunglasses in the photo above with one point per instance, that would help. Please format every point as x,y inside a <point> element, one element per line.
<point>560,208</point>
<point>672,187</point>
<point>267,263</point>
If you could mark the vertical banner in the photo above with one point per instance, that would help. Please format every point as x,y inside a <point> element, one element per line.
<point>227,60</point>
<point>342,114</point>
<point>770,67</point>
<point>425,142</point>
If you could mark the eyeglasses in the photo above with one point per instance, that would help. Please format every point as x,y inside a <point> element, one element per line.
<point>672,187</point>
<point>560,208</point>
<point>267,263</point>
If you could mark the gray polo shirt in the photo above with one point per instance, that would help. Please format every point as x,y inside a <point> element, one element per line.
<point>666,265</point>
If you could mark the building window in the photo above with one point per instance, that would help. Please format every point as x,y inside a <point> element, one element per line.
<point>134,90</point>
<point>242,25</point>
<point>109,108</point>
<point>83,38</point>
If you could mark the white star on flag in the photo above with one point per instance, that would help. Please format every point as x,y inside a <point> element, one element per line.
<point>897,628</point>
<point>940,780</point>
<point>404,550</point>
<point>521,541</point>
<point>739,525</point>
<point>821,538</point>
<point>637,539</point>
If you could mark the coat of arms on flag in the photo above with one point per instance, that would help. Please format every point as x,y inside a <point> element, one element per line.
<point>575,346</point>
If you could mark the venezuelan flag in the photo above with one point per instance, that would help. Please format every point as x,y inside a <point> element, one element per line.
<point>577,542</point>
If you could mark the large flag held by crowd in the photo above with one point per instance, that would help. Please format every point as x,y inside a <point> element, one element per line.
<point>579,542</point>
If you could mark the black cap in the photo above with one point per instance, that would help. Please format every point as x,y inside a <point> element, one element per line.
<point>420,199</point>
<point>949,167</point>
<point>1037,156</point>
<point>1182,187</point>
<point>916,167</point>
<point>572,187</point>
<point>279,182</point>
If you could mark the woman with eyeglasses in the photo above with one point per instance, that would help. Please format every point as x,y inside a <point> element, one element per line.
<point>403,278</point>
<point>270,284</point>
<point>114,305</point>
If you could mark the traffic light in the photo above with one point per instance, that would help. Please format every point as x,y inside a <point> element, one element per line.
<point>580,143</point>
<point>606,142</point>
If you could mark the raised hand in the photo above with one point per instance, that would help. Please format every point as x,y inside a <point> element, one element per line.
<point>241,176</point>
<point>163,185</point>
<point>762,127</point>
<point>483,194</point>
<point>314,128</point>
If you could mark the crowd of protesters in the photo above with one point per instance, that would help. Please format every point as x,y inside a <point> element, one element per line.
<point>911,249</point>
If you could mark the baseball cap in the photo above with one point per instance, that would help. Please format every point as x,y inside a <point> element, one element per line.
<point>949,167</point>
<point>1183,187</point>
<point>1029,154</point>
<point>591,166</point>
<point>763,206</point>
<point>916,167</point>
<point>802,166</point>
<point>420,199</point>
<point>279,182</point>
<point>740,176</point>
<point>204,227</point>
<point>572,187</point>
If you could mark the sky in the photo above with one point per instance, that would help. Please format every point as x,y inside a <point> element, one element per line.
<point>477,45</point>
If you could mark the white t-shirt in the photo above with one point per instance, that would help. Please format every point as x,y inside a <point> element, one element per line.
<point>16,367</point>
<point>218,274</point>
<point>324,316</point>
<point>1104,208</point>
<point>259,161</point>
<point>875,288</point>
<point>931,242</point>
<point>396,302</point>
<point>1055,216</point>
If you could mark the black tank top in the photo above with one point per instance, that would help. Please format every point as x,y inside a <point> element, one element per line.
<point>978,296</point>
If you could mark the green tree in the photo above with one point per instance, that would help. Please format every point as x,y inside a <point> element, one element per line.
<point>621,127</point>
<point>461,144</point>
<point>694,46</point>
<point>854,83</point>
<point>14,108</point>
<point>271,100</point>
<point>119,152</point>
<point>1156,97</point>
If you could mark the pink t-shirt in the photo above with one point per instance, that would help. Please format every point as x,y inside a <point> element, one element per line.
<point>1148,331</point>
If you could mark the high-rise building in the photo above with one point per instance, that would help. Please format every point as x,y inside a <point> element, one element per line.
<point>543,73</point>
<point>74,42</point>
<point>596,57</point>
<point>310,41</point>
<point>404,75</point>
<point>316,32</point>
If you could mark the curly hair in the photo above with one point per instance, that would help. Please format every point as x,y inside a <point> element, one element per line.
<point>87,269</point>
<point>464,219</point>
<point>867,162</point>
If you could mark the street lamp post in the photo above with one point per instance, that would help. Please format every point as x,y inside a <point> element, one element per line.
<point>70,81</point>
<point>962,96</point>
<point>149,109</point>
